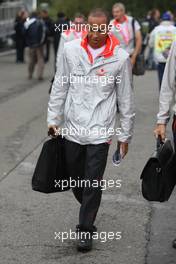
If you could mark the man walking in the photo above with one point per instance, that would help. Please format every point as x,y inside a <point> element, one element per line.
<point>19,35</point>
<point>87,106</point>
<point>35,36</point>
<point>127,30</point>
<point>167,100</point>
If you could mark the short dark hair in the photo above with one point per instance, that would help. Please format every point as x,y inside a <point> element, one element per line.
<point>60,15</point>
<point>79,15</point>
<point>34,14</point>
<point>153,12</point>
<point>99,12</point>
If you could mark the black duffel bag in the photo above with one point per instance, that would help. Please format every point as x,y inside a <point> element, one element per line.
<point>159,174</point>
<point>51,170</point>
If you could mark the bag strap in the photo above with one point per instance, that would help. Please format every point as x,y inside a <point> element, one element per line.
<point>159,142</point>
<point>133,27</point>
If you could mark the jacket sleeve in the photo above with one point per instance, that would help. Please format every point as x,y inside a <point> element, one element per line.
<point>125,100</point>
<point>59,92</point>
<point>168,87</point>
<point>60,50</point>
<point>152,39</point>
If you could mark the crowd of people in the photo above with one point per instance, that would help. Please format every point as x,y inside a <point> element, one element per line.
<point>37,31</point>
<point>98,46</point>
<point>152,36</point>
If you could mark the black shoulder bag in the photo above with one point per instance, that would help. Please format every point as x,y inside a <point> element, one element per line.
<point>139,67</point>
<point>159,174</point>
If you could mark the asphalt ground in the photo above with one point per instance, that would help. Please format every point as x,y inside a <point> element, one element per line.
<point>29,220</point>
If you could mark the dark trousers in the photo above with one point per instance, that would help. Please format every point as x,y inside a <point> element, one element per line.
<point>47,50</point>
<point>160,67</point>
<point>174,130</point>
<point>20,46</point>
<point>87,162</point>
<point>36,57</point>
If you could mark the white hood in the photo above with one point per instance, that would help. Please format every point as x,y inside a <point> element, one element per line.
<point>29,21</point>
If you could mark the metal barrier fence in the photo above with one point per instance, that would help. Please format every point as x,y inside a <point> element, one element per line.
<point>8,12</point>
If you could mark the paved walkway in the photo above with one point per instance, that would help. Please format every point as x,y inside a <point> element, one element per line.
<point>29,220</point>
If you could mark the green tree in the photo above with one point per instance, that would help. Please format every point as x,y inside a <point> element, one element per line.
<point>136,7</point>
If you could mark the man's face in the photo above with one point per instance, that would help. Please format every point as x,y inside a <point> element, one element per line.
<point>118,13</point>
<point>97,35</point>
<point>78,22</point>
<point>25,15</point>
<point>157,15</point>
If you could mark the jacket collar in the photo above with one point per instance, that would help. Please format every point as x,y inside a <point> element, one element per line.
<point>29,21</point>
<point>124,19</point>
<point>166,23</point>
<point>111,43</point>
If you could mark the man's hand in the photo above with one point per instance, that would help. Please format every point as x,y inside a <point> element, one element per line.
<point>160,130</point>
<point>123,148</point>
<point>52,130</point>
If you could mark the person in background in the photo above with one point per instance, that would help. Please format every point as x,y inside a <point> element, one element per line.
<point>153,20</point>
<point>35,36</point>
<point>49,33</point>
<point>161,39</point>
<point>167,100</point>
<point>19,35</point>
<point>76,31</point>
<point>63,23</point>
<point>122,29</point>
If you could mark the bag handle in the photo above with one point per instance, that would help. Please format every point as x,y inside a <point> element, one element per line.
<point>159,142</point>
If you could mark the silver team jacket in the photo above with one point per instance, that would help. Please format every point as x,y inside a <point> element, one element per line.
<point>84,94</point>
<point>168,88</point>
